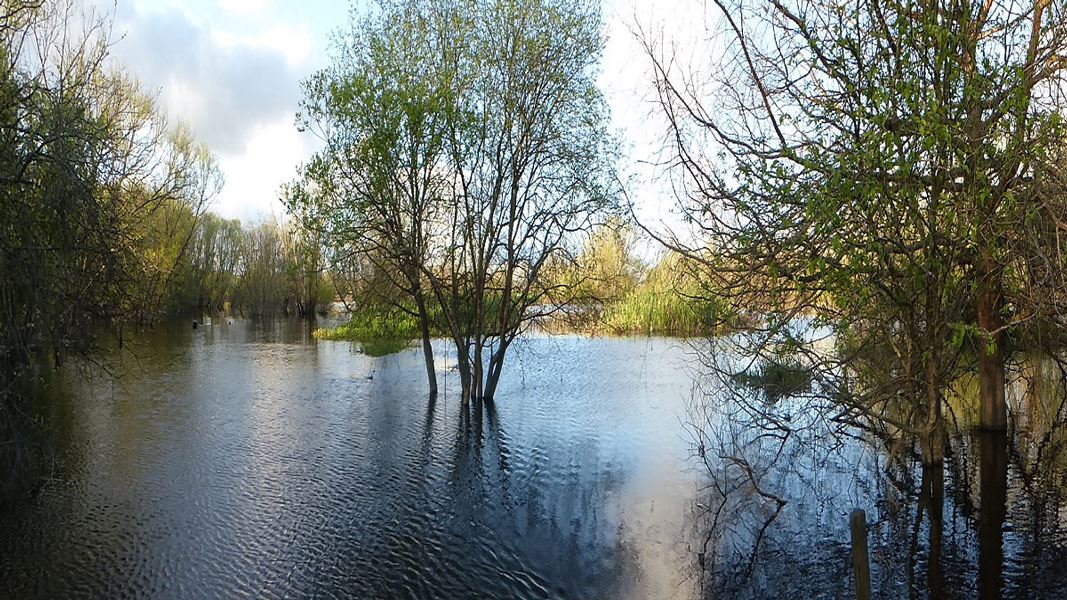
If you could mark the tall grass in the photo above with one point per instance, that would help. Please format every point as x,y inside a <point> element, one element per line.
<point>670,300</point>
<point>658,311</point>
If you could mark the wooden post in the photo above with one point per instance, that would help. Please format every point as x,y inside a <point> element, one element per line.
<point>861,566</point>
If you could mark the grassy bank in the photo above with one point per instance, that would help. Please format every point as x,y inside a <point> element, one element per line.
<point>618,298</point>
<point>645,311</point>
<point>669,300</point>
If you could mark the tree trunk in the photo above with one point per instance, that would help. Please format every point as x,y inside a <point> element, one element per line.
<point>491,381</point>
<point>464,365</point>
<point>993,486</point>
<point>933,446</point>
<point>427,347</point>
<point>496,365</point>
<point>934,484</point>
<point>477,371</point>
<point>991,354</point>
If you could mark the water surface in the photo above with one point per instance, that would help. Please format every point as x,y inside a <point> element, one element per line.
<point>250,460</point>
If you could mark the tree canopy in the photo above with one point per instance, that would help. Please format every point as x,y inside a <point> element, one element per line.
<point>466,150</point>
<point>891,171</point>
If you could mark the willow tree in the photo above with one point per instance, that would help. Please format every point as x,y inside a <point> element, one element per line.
<point>466,151</point>
<point>887,167</point>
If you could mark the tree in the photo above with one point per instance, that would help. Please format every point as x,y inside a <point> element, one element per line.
<point>304,269</point>
<point>88,167</point>
<point>608,268</point>
<point>877,166</point>
<point>380,109</point>
<point>532,173</point>
<point>211,266</point>
<point>98,197</point>
<point>466,151</point>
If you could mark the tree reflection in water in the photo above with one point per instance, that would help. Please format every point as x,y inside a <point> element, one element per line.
<point>781,478</point>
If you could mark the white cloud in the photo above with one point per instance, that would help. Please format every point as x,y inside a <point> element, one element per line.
<point>294,42</point>
<point>231,69</point>
<point>223,89</point>
<point>254,176</point>
<point>246,7</point>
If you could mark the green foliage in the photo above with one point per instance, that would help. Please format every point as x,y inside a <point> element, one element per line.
<point>670,301</point>
<point>262,270</point>
<point>466,152</point>
<point>878,167</point>
<point>379,331</point>
<point>97,192</point>
<point>776,378</point>
<point>209,272</point>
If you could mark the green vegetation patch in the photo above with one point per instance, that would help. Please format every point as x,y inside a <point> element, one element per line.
<point>378,332</point>
<point>651,311</point>
<point>670,300</point>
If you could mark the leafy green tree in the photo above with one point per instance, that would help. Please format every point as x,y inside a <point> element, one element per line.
<point>376,187</point>
<point>532,170</point>
<point>465,152</point>
<point>210,271</point>
<point>883,167</point>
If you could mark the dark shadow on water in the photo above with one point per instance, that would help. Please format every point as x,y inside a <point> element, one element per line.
<point>932,502</point>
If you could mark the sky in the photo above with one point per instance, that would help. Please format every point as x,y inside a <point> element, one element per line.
<point>232,69</point>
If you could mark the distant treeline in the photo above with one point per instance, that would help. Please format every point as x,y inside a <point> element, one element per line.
<point>103,203</point>
<point>270,269</point>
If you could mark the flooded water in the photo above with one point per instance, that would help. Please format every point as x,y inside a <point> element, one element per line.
<point>250,460</point>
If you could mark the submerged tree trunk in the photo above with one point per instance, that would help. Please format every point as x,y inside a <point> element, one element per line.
<point>496,365</point>
<point>491,379</point>
<point>427,352</point>
<point>991,352</point>
<point>934,492</point>
<point>464,365</point>
<point>427,347</point>
<point>993,476</point>
<point>477,371</point>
